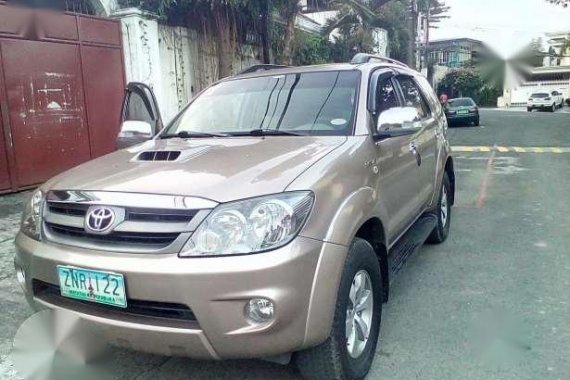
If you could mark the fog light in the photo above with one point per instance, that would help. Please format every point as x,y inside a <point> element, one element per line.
<point>259,310</point>
<point>21,277</point>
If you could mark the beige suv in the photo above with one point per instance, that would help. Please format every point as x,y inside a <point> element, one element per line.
<point>267,220</point>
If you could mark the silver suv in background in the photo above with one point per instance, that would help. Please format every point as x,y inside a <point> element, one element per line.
<point>267,220</point>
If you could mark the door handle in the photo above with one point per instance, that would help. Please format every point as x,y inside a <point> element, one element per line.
<point>414,151</point>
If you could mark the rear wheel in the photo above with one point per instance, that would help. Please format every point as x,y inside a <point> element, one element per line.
<point>553,108</point>
<point>476,122</point>
<point>443,213</point>
<point>528,109</point>
<point>348,352</point>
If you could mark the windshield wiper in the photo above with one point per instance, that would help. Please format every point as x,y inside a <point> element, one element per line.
<point>190,134</point>
<point>267,132</point>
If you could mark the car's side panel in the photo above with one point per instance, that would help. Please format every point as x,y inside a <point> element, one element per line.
<point>345,185</point>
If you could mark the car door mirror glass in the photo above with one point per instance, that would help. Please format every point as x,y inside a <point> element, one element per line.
<point>398,118</point>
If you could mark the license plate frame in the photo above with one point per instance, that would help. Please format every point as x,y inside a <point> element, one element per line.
<point>463,112</point>
<point>107,288</point>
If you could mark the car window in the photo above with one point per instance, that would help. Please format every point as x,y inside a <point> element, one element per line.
<point>413,97</point>
<point>320,103</point>
<point>462,102</point>
<point>386,95</point>
<point>137,109</point>
<point>539,95</point>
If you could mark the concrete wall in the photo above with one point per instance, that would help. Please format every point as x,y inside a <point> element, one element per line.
<point>520,95</point>
<point>175,62</point>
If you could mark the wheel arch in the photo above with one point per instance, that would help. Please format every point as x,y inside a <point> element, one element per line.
<point>450,171</point>
<point>372,231</point>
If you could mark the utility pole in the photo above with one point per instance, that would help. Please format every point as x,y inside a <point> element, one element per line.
<point>426,34</point>
<point>428,66</point>
<point>413,28</point>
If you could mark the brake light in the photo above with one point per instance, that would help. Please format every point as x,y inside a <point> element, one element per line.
<point>450,112</point>
<point>547,98</point>
<point>473,109</point>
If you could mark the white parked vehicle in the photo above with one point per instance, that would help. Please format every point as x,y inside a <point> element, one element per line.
<point>545,101</point>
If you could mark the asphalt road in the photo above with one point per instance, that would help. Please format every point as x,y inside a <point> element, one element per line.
<point>493,302</point>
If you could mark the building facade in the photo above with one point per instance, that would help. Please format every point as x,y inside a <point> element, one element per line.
<point>523,80</point>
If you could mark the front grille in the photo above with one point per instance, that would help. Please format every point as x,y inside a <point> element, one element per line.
<point>137,238</point>
<point>143,223</point>
<point>134,214</point>
<point>164,312</point>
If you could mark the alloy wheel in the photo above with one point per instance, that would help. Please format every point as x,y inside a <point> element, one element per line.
<point>359,313</point>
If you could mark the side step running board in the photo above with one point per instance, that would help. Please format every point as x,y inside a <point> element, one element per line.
<point>410,242</point>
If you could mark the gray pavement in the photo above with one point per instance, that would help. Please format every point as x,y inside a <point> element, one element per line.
<point>493,302</point>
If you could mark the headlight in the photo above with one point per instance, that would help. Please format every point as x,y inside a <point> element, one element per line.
<point>249,226</point>
<point>31,218</point>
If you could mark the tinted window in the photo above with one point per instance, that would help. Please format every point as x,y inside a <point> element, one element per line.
<point>311,103</point>
<point>539,95</point>
<point>386,98</point>
<point>463,102</point>
<point>137,109</point>
<point>413,96</point>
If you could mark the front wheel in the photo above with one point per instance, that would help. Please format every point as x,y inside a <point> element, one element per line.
<point>443,213</point>
<point>348,352</point>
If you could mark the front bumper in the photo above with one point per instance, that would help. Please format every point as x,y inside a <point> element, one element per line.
<point>300,278</point>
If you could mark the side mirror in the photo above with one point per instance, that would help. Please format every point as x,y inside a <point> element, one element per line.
<point>134,132</point>
<point>398,121</point>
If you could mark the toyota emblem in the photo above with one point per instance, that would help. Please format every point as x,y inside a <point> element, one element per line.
<point>100,219</point>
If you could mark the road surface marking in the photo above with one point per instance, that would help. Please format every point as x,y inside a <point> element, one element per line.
<point>486,180</point>
<point>510,149</point>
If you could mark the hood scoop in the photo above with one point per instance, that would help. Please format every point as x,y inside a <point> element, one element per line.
<point>158,155</point>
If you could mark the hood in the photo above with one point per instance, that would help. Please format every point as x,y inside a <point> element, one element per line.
<point>220,169</point>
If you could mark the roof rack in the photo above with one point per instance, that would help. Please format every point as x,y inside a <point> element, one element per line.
<point>261,67</point>
<point>365,58</point>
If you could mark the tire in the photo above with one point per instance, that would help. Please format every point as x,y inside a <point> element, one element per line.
<point>476,122</point>
<point>332,360</point>
<point>441,230</point>
<point>528,109</point>
<point>553,108</point>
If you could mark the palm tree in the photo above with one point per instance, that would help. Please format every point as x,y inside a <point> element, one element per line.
<point>356,21</point>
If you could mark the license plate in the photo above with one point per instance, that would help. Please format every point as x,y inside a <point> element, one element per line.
<point>91,285</point>
<point>462,112</point>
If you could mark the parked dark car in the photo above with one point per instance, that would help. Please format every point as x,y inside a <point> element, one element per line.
<point>462,110</point>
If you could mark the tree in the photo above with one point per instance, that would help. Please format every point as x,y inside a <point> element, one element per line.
<point>356,21</point>
<point>434,11</point>
<point>467,82</point>
<point>230,21</point>
<point>290,9</point>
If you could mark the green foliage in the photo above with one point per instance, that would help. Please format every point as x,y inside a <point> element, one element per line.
<point>309,49</point>
<point>467,82</point>
<point>356,22</point>
<point>398,33</point>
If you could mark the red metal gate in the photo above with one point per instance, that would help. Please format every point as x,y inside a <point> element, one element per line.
<point>61,86</point>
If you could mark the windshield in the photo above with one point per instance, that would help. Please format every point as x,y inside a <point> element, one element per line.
<point>311,103</point>
<point>463,102</point>
<point>539,95</point>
